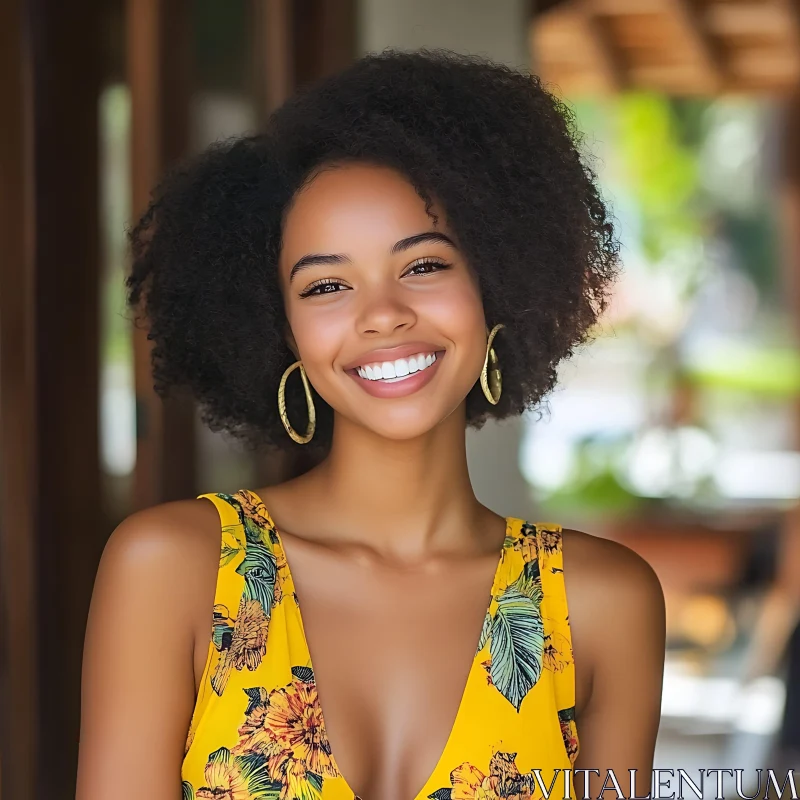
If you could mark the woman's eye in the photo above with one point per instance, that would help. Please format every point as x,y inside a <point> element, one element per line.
<point>323,287</point>
<point>425,267</point>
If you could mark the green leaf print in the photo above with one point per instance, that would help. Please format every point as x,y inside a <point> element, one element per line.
<point>529,583</point>
<point>187,790</point>
<point>260,572</point>
<point>516,645</point>
<point>253,768</point>
<point>308,789</point>
<point>224,772</point>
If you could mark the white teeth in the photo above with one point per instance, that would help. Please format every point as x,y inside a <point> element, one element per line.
<point>397,370</point>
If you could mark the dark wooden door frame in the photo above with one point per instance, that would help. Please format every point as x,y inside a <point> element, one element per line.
<point>17,460</point>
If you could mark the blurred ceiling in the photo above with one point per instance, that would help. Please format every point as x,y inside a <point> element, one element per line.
<point>673,46</point>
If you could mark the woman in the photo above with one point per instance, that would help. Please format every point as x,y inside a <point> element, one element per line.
<point>411,247</point>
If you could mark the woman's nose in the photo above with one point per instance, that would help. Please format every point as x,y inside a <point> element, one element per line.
<point>384,312</point>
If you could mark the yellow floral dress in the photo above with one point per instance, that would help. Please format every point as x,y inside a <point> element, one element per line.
<point>257,732</point>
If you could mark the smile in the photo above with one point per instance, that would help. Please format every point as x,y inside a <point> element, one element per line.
<point>398,370</point>
<point>398,378</point>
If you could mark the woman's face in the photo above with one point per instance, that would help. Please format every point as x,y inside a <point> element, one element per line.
<point>385,312</point>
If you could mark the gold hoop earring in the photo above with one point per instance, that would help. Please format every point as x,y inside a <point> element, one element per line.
<point>491,377</point>
<point>312,412</point>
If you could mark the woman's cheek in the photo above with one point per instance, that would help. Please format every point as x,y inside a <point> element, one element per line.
<point>320,334</point>
<point>458,312</point>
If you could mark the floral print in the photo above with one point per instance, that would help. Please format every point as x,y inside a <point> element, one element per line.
<point>244,639</point>
<point>503,781</point>
<point>283,750</point>
<point>566,718</point>
<point>258,731</point>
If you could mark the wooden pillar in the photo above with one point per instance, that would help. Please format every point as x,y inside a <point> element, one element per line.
<point>66,75</point>
<point>17,396</point>
<point>272,47</point>
<point>159,77</point>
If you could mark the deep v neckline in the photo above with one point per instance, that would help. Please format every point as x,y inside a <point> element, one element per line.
<point>496,579</point>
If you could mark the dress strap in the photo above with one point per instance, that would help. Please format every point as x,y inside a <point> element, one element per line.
<point>558,653</point>
<point>248,585</point>
<point>227,599</point>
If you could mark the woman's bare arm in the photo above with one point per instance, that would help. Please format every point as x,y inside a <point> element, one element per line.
<point>150,619</point>
<point>618,620</point>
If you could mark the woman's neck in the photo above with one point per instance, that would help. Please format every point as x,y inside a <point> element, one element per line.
<point>403,499</point>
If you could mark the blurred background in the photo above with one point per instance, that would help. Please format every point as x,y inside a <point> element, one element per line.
<point>676,432</point>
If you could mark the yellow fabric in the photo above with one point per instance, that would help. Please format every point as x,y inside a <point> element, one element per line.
<point>257,732</point>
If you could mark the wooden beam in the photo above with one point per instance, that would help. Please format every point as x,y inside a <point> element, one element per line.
<point>626,7</point>
<point>791,11</point>
<point>603,53</point>
<point>746,19</point>
<point>767,66</point>
<point>705,50</point>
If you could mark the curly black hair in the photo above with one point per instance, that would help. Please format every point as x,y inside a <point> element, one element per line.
<point>490,145</point>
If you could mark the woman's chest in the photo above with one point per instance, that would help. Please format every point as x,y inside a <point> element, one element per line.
<point>392,654</point>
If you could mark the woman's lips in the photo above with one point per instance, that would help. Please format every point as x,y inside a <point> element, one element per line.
<point>399,388</point>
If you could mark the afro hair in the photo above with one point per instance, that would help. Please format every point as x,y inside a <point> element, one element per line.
<point>489,144</point>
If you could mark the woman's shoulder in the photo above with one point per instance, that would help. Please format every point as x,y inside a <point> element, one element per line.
<point>607,571</point>
<point>616,601</point>
<point>166,551</point>
<point>164,533</point>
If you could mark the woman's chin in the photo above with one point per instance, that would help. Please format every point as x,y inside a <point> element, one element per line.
<point>399,426</point>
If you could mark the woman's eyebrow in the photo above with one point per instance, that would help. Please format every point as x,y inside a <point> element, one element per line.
<point>419,238</point>
<point>316,259</point>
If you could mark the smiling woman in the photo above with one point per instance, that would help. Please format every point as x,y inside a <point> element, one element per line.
<point>419,239</point>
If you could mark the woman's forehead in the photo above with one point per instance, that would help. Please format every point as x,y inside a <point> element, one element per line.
<point>355,206</point>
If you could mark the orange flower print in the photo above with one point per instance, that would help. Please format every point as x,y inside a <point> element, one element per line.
<point>503,782</point>
<point>254,510</point>
<point>284,727</point>
<point>466,780</point>
<point>294,717</point>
